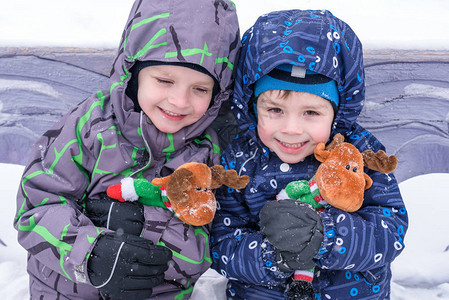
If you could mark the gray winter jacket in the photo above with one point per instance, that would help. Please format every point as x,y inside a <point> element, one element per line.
<point>103,140</point>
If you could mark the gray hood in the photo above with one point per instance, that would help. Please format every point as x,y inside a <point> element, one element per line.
<point>163,31</point>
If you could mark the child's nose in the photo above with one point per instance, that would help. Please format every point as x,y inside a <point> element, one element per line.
<point>293,126</point>
<point>179,97</point>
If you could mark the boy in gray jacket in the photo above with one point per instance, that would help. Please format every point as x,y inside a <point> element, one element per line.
<point>172,72</point>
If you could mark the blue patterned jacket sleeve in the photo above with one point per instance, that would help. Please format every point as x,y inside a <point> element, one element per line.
<point>370,237</point>
<point>238,247</point>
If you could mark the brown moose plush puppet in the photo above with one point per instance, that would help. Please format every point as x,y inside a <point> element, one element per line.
<point>339,181</point>
<point>187,192</point>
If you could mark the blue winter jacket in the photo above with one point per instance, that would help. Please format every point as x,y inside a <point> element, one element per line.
<point>358,248</point>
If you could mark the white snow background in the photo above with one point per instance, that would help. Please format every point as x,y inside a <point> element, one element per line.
<point>420,272</point>
<point>380,24</point>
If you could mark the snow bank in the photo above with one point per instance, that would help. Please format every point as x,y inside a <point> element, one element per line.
<point>420,272</point>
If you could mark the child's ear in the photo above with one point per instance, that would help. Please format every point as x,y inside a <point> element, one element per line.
<point>368,181</point>
<point>320,153</point>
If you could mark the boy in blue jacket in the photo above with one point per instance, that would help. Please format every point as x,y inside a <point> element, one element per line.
<point>300,81</point>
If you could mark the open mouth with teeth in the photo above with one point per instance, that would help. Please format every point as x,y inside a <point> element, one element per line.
<point>290,147</point>
<point>171,115</point>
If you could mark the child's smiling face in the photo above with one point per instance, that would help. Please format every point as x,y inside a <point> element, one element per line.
<point>293,124</point>
<point>172,96</point>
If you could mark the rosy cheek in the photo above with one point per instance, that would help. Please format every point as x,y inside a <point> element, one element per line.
<point>201,107</point>
<point>322,135</point>
<point>264,133</point>
<point>204,109</point>
<point>264,122</point>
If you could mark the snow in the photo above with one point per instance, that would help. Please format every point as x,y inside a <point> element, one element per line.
<point>420,272</point>
<point>13,275</point>
<point>380,24</point>
<point>31,86</point>
<point>426,90</point>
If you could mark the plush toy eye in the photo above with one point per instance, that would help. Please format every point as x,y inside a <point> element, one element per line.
<point>354,170</point>
<point>205,189</point>
<point>198,188</point>
<point>348,167</point>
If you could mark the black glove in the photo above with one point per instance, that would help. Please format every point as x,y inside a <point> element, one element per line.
<point>126,266</point>
<point>295,230</point>
<point>123,217</point>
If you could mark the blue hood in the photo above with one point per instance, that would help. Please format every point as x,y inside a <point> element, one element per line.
<point>315,40</point>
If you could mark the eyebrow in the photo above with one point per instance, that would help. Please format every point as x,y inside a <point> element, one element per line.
<point>266,100</point>
<point>269,101</point>
<point>161,72</point>
<point>315,106</point>
<point>169,75</point>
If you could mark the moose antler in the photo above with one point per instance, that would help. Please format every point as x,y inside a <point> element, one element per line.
<point>178,184</point>
<point>379,161</point>
<point>338,139</point>
<point>322,152</point>
<point>229,178</point>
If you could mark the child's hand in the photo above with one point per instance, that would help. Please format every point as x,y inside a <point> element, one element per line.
<point>295,230</point>
<point>126,266</point>
<point>125,217</point>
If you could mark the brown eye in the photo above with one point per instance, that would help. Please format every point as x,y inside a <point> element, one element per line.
<point>275,110</point>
